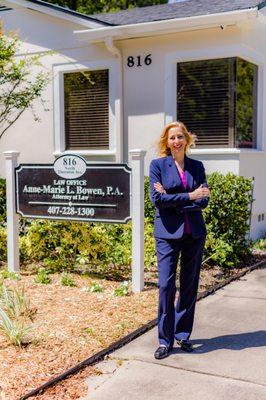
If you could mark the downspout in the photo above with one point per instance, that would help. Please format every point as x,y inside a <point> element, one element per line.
<point>119,108</point>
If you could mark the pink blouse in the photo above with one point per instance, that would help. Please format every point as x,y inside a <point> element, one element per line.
<point>184,183</point>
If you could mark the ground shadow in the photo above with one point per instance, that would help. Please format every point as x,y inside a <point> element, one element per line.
<point>238,341</point>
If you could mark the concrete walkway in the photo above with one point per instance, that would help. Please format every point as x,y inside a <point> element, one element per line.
<point>229,361</point>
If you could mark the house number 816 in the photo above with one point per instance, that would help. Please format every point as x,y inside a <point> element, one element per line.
<point>138,61</point>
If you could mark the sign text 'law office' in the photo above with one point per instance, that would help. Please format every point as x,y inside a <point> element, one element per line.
<point>74,190</point>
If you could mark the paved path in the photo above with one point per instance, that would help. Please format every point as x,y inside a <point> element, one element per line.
<point>229,361</point>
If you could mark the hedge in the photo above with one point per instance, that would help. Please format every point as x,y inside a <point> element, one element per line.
<point>68,245</point>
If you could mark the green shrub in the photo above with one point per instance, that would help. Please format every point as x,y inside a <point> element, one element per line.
<point>218,251</point>
<point>59,243</point>
<point>106,248</point>
<point>227,215</point>
<point>3,244</point>
<point>148,206</point>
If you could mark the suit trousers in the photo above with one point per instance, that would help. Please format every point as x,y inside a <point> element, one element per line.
<point>176,321</point>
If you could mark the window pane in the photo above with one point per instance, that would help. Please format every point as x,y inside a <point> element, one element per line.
<point>204,95</point>
<point>86,98</point>
<point>246,86</point>
<point>217,99</point>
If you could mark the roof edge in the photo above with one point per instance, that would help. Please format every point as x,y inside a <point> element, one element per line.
<point>121,32</point>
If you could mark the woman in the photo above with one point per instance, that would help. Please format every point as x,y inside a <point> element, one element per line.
<point>178,190</point>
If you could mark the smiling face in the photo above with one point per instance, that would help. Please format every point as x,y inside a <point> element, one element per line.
<point>176,141</point>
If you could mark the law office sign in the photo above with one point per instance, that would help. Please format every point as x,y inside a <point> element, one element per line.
<point>71,189</point>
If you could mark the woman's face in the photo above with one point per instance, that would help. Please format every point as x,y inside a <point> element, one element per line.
<point>176,140</point>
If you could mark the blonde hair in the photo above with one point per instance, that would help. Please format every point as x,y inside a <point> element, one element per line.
<point>163,150</point>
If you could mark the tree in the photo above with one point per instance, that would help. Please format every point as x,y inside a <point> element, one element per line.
<point>19,86</point>
<point>102,6</point>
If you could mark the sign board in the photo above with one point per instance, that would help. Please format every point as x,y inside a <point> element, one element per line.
<point>71,189</point>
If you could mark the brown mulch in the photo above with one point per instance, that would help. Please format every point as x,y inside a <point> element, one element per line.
<point>72,324</point>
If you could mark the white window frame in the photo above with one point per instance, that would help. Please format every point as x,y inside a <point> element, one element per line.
<point>241,51</point>
<point>59,111</point>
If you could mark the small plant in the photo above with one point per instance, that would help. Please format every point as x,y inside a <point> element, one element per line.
<point>89,331</point>
<point>66,280</point>
<point>14,311</point>
<point>15,330</point>
<point>122,289</point>
<point>43,277</point>
<point>96,287</point>
<point>5,274</point>
<point>16,303</point>
<point>260,244</point>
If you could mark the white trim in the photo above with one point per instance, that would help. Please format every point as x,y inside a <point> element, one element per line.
<point>86,152</point>
<point>241,51</point>
<point>225,150</point>
<point>168,26</point>
<point>114,106</point>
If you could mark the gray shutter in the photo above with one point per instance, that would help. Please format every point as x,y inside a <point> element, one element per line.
<point>86,98</point>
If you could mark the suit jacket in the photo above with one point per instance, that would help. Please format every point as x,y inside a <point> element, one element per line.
<point>172,206</point>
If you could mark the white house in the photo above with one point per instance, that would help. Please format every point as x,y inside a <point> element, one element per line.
<point>198,61</point>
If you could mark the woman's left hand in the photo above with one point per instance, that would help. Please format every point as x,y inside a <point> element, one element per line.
<point>159,188</point>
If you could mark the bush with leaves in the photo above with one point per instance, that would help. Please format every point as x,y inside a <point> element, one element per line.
<point>226,217</point>
<point>3,244</point>
<point>106,248</point>
<point>228,212</point>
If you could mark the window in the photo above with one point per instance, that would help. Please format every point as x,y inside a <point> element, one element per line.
<point>86,110</point>
<point>217,99</point>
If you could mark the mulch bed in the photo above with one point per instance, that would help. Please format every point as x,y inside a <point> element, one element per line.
<point>72,324</point>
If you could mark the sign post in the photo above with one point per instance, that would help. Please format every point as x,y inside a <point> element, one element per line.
<point>12,217</point>
<point>137,212</point>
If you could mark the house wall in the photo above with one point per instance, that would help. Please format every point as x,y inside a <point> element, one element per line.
<point>150,99</point>
<point>41,34</point>
<point>149,92</point>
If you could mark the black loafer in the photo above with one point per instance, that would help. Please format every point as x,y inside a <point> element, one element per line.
<point>161,352</point>
<point>185,345</point>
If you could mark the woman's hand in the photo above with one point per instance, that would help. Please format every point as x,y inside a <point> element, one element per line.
<point>159,188</point>
<point>199,193</point>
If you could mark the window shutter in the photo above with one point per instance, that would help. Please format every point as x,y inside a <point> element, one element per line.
<point>86,98</point>
<point>206,100</point>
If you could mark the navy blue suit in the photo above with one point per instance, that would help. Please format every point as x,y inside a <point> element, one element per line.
<point>171,208</point>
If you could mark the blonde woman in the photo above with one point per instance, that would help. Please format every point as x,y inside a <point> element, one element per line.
<point>179,192</point>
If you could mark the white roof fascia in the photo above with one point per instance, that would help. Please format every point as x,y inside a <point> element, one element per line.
<point>167,26</point>
<point>53,12</point>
